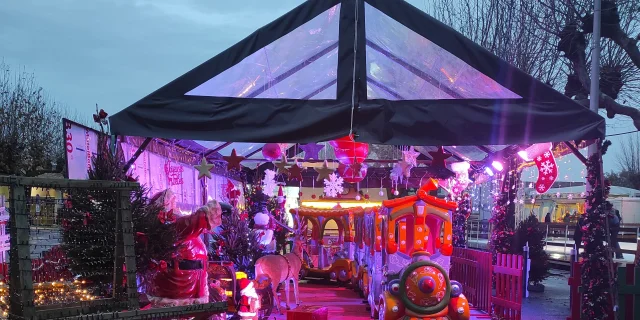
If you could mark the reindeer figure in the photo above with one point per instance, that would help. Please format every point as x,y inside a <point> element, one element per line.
<point>284,268</point>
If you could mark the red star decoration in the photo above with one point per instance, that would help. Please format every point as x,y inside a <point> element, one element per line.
<point>439,158</point>
<point>233,161</point>
<point>295,172</point>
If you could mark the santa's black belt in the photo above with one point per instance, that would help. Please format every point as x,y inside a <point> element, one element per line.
<point>188,265</point>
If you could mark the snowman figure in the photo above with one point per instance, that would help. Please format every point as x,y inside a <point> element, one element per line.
<point>265,232</point>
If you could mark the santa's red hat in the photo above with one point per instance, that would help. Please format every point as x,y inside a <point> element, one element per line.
<point>243,283</point>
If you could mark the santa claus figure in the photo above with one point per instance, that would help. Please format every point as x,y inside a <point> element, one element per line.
<point>183,279</point>
<point>249,300</point>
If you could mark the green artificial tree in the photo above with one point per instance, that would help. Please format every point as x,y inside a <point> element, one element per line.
<point>89,220</point>
<point>532,232</point>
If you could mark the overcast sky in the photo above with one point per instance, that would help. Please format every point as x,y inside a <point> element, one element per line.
<point>114,52</point>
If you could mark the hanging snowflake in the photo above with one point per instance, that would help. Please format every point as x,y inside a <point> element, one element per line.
<point>269,183</point>
<point>333,186</point>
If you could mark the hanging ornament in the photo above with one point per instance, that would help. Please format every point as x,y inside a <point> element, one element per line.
<point>295,172</point>
<point>411,156</point>
<point>333,186</point>
<point>396,192</point>
<point>358,197</point>
<point>381,192</point>
<point>438,168</point>
<point>406,168</point>
<point>282,165</point>
<point>570,196</point>
<point>311,151</point>
<point>547,171</point>
<point>204,168</point>
<point>352,173</point>
<point>272,151</point>
<point>269,183</point>
<point>233,161</point>
<point>348,151</point>
<point>323,172</point>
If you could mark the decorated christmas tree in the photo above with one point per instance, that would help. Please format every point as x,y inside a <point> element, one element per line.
<point>460,220</point>
<point>89,220</point>
<point>236,242</point>
<point>531,231</point>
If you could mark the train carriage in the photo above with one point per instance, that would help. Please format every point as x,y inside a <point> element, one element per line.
<point>416,244</point>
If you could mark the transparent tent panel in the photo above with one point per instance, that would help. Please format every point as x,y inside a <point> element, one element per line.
<point>467,152</point>
<point>307,81</point>
<point>209,144</point>
<point>242,148</point>
<point>396,82</point>
<point>327,93</point>
<point>264,71</point>
<point>398,47</point>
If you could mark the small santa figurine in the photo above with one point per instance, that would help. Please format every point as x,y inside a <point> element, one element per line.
<point>249,300</point>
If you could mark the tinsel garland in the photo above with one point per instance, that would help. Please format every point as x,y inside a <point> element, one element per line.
<point>596,280</point>
<point>503,218</point>
<point>460,220</point>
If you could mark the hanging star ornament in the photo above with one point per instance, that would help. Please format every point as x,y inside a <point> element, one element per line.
<point>323,172</point>
<point>406,168</point>
<point>204,169</point>
<point>282,165</point>
<point>233,161</point>
<point>295,172</point>
<point>311,151</point>
<point>439,158</point>
<point>411,156</point>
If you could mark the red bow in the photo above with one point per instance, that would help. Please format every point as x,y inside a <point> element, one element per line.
<point>87,217</point>
<point>102,115</point>
<point>167,216</point>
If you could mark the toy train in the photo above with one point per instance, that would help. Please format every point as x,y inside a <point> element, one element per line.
<point>402,259</point>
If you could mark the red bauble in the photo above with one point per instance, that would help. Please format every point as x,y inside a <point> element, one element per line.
<point>348,151</point>
<point>313,196</point>
<point>272,151</point>
<point>393,190</point>
<point>353,173</point>
<point>446,249</point>
<point>300,194</point>
<point>366,196</point>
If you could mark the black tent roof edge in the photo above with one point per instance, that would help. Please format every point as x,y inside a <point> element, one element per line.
<point>541,116</point>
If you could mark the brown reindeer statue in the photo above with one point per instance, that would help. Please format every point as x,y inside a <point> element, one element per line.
<point>284,268</point>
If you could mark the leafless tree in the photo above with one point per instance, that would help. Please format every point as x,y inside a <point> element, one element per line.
<point>31,137</point>
<point>551,40</point>
<point>629,157</point>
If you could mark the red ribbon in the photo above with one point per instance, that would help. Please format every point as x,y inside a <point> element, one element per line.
<point>167,216</point>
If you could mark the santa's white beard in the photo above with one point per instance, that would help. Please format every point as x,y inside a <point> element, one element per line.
<point>249,291</point>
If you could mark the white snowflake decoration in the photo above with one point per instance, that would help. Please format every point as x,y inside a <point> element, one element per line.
<point>333,186</point>
<point>570,196</point>
<point>547,154</point>
<point>546,167</point>
<point>269,183</point>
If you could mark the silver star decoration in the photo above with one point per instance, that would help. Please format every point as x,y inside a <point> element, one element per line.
<point>411,156</point>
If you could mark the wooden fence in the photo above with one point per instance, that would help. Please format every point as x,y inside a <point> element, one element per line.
<point>472,268</point>
<point>507,303</point>
<point>476,272</point>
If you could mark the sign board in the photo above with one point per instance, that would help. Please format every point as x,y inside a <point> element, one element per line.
<point>81,145</point>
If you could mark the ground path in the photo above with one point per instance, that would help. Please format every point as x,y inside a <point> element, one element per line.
<point>343,303</point>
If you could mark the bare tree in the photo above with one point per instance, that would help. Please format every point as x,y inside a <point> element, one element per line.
<point>551,40</point>
<point>31,138</point>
